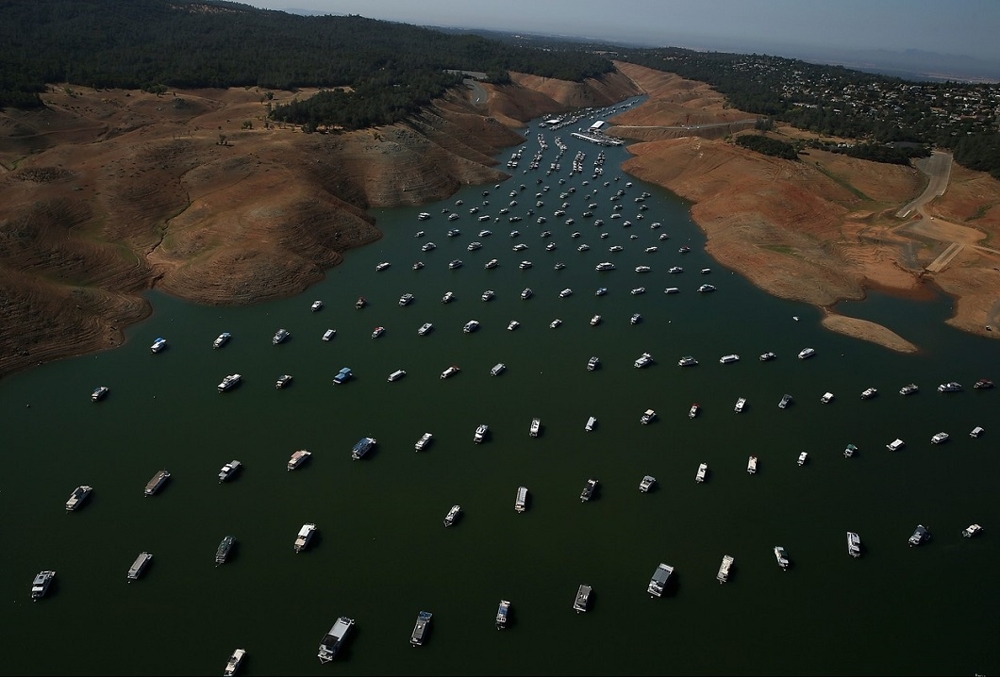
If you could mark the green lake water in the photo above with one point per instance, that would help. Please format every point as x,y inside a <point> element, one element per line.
<point>382,553</point>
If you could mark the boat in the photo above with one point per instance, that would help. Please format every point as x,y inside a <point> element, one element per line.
<point>803,458</point>
<point>781,556</point>
<point>806,353</point>
<point>920,535</point>
<point>555,323</point>
<point>99,393</point>
<point>452,515</point>
<point>158,345</point>
<point>593,363</point>
<point>428,247</point>
<point>520,247</point>
<point>706,271</point>
<point>601,291</point>
<point>526,293</point>
<point>474,245</point>
<point>868,393</point>
<point>826,398</point>
<point>378,331</point>
<point>77,498</point>
<point>895,445</point>
<point>221,340</point>
<point>280,336</point>
<point>304,536</point>
<point>455,264</point>
<point>850,450</point>
<point>644,361</point>
<point>595,320</point>
<point>448,297</point>
<point>521,500</point>
<point>298,458</point>
<point>491,264</point>
<point>646,483</point>
<point>536,427</point>
<point>672,290</point>
<point>977,431</point>
<point>786,400</point>
<point>453,217</point>
<point>642,269</point>
<point>604,265</point>
<point>971,530</point>
<point>360,303</point>
<point>334,639</point>
<point>343,376</point>
<point>329,334</point>
<point>234,662</point>
<point>379,267</point>
<point>138,566</point>
<point>480,434</point>
<point>316,305</point>
<point>636,291</point>
<point>498,369</point>
<point>853,544</point>
<point>512,325</point>
<point>422,443</point>
<point>421,628</point>
<point>651,250</point>
<point>693,411</point>
<point>450,371</point>
<point>405,299</point>
<point>616,248</point>
<point>939,438</point>
<point>705,288</point>
<point>582,600</point>
<point>155,484</point>
<point>588,490</point>
<point>503,611</point>
<point>584,247</point>
<point>729,359</point>
<point>702,473</point>
<point>724,568</point>
<point>740,404</point>
<point>950,387</point>
<point>752,465</point>
<point>362,447</point>
<point>396,375</point>
<point>282,381</point>
<point>229,382</point>
<point>559,266</point>
<point>684,249</point>
<point>659,580</point>
<point>425,329</point>
<point>471,326</point>
<point>222,552</point>
<point>488,295</point>
<point>767,357</point>
<point>565,293</point>
<point>647,417</point>
<point>40,584</point>
<point>591,424</point>
<point>551,246</point>
<point>909,389</point>
<point>423,216</point>
<point>983,384</point>
<point>229,470</point>
<point>635,319</point>
<point>687,361</point>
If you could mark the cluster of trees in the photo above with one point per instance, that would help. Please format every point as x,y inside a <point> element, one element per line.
<point>876,152</point>
<point>759,84</point>
<point>144,44</point>
<point>767,146</point>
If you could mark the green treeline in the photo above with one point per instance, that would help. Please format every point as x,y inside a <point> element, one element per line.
<point>145,44</point>
<point>767,146</point>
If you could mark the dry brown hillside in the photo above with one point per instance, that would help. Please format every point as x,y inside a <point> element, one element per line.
<point>104,194</point>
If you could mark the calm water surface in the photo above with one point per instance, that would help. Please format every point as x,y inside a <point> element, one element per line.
<point>382,553</point>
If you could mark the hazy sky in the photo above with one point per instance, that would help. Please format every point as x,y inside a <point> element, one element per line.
<point>960,27</point>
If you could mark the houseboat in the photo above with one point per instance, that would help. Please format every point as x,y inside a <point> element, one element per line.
<point>229,471</point>
<point>99,393</point>
<point>138,566</point>
<point>803,458</point>
<point>724,568</point>
<point>470,326</point>
<point>950,387</point>
<point>40,584</point>
<point>588,490</point>
<point>521,500</point>
<point>222,552</point>
<point>647,417</point>
<point>155,484</point>
<point>693,411</point>
<point>536,427</point>
<point>646,483</point>
<point>782,557</point>
<point>450,371</point>
<point>919,536</point>
<point>334,639</point>
<point>452,515</point>
<point>868,393</point>
<point>895,445</point>
<point>687,361</point>
<point>702,473</point>
<point>221,340</point>
<point>77,498</point>
<point>343,376</point>
<point>233,665</point>
<point>971,530</point>
<point>423,442</point>
<point>582,600</point>
<point>806,353</point>
<point>786,400</point>
<point>316,305</point>
<point>752,465</point>
<point>282,381</point>
<point>741,403</point>
<point>298,458</point>
<point>421,628</point>
<point>362,447</point>
<point>939,438</point>
<point>229,382</point>
<point>480,434</point>
<point>280,336</point>
<point>158,345</point>
<point>396,375</point>
<point>503,611</point>
<point>591,424</point>
<point>304,536</point>
<point>909,389</point>
<point>329,334</point>
<point>659,580</point>
<point>853,544</point>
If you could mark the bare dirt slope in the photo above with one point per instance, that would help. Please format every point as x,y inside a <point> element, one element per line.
<point>821,228</point>
<point>104,194</point>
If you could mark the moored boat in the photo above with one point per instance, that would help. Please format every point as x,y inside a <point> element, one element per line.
<point>77,498</point>
<point>767,357</point>
<point>503,611</point>
<point>895,445</point>
<point>593,363</point>
<point>362,447</point>
<point>826,398</point>
<point>850,450</point>
<point>452,515</point>
<point>225,547</point>
<point>806,353</point>
<point>724,568</point>
<point>41,583</point>
<point>422,443</point>
<point>450,371</point>
<point>786,400</point>
<point>741,403</point>
<point>853,544</point>
<point>229,382</point>
<point>782,557</point>
<point>298,458</point>
<point>919,536</point>
<point>138,566</point>
<point>977,431</point>
<point>729,359</point>
<point>329,334</point>
<point>421,628</point>
<point>158,345</point>
<point>303,538</point>
<point>693,411</point>
<point>588,490</point>
<point>752,465</point>
<point>687,361</point>
<point>950,387</point>
<point>155,484</point>
<point>803,458</point>
<point>658,582</point>
<point>234,663</point>
<point>582,600</point>
<point>521,499</point>
<point>643,361</point>
<point>316,305</point>
<point>480,434</point>
<point>280,336</point>
<point>334,639</point>
<point>470,326</point>
<point>983,384</point>
<point>939,438</point>
<point>868,393</point>
<point>360,303</point>
<point>909,389</point>
<point>591,424</point>
<point>221,340</point>
<point>647,417</point>
<point>971,530</point>
<point>536,427</point>
<point>512,325</point>
<point>378,331</point>
<point>646,483</point>
<point>702,473</point>
<point>283,381</point>
<point>229,470</point>
<point>99,393</point>
<point>379,267</point>
<point>343,376</point>
<point>396,375</point>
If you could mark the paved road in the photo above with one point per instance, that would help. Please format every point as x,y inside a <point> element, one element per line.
<point>712,125</point>
<point>938,168</point>
<point>478,94</point>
